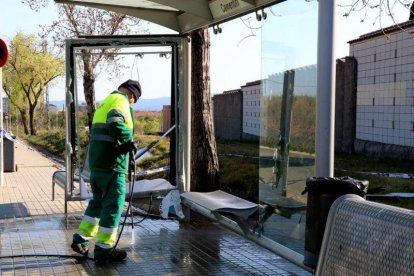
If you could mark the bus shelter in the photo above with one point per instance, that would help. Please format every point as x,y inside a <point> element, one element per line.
<point>294,81</point>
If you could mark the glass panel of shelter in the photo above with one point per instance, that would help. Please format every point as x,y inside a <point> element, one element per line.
<point>287,122</point>
<point>154,113</point>
<point>287,119</point>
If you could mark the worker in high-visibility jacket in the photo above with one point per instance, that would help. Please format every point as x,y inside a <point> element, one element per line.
<point>111,142</point>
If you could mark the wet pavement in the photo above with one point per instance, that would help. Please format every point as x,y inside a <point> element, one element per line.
<point>32,224</point>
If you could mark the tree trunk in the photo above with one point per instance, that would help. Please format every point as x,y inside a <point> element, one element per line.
<point>23,115</point>
<point>31,120</point>
<point>32,110</point>
<point>89,87</point>
<point>204,161</point>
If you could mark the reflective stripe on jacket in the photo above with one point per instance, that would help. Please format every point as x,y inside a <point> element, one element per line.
<point>112,126</point>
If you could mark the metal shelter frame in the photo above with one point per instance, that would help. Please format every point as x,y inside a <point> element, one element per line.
<point>72,142</point>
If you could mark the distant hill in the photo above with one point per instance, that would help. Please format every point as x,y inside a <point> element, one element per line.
<point>143,104</point>
<point>152,104</point>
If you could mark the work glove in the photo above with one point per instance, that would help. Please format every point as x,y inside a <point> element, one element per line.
<point>126,147</point>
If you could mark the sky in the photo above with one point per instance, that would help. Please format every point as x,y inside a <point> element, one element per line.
<point>238,55</point>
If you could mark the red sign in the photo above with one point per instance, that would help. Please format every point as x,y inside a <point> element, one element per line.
<point>4,53</point>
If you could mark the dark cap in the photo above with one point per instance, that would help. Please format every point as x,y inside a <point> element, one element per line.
<point>134,87</point>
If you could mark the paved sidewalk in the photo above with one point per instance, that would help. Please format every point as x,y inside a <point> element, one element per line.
<point>32,224</point>
<point>28,192</point>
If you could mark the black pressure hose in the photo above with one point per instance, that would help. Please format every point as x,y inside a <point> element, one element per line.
<point>145,216</point>
<point>79,257</point>
<point>83,257</point>
<point>133,158</point>
<point>131,174</point>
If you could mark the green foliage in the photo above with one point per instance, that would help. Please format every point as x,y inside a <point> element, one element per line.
<point>25,77</point>
<point>56,120</point>
<point>147,124</point>
<point>239,175</point>
<point>160,156</point>
<point>52,141</point>
<point>83,120</point>
<point>302,123</point>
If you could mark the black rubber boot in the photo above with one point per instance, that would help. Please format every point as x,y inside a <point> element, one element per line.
<point>103,256</point>
<point>80,245</point>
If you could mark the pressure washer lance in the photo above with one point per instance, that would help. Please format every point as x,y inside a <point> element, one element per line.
<point>142,151</point>
<point>132,169</point>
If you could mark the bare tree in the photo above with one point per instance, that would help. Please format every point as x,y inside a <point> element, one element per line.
<point>204,161</point>
<point>75,21</point>
<point>385,8</point>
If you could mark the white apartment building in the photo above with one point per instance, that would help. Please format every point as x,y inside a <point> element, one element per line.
<point>385,85</point>
<point>251,107</point>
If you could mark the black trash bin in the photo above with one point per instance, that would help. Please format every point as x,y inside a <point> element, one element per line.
<point>322,192</point>
<point>9,161</point>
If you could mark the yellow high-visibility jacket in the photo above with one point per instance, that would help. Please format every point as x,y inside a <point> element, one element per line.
<point>112,125</point>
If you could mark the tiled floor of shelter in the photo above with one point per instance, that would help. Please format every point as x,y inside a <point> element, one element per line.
<point>31,224</point>
<point>155,247</point>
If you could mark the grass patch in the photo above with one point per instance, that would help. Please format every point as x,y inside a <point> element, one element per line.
<point>160,156</point>
<point>54,143</point>
<point>351,165</point>
<point>238,147</point>
<point>356,162</point>
<point>239,175</point>
<point>51,141</point>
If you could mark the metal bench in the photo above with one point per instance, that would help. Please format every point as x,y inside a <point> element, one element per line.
<point>217,205</point>
<point>80,189</point>
<point>76,193</point>
<point>367,238</point>
<point>142,188</point>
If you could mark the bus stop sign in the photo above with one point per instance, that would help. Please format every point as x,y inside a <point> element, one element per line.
<point>4,53</point>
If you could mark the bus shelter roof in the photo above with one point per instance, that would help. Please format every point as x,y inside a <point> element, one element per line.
<point>182,16</point>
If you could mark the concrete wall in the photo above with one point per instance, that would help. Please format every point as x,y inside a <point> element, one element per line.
<point>229,108</point>
<point>346,113</point>
<point>252,92</point>
<point>228,117</point>
<point>385,97</point>
<point>166,117</point>
<point>345,104</point>
<point>384,150</point>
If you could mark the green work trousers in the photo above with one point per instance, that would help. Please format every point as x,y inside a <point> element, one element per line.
<point>105,207</point>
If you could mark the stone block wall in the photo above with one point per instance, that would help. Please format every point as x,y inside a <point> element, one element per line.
<point>228,115</point>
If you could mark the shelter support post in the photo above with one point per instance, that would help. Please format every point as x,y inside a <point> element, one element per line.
<point>325,101</point>
<point>187,113</point>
